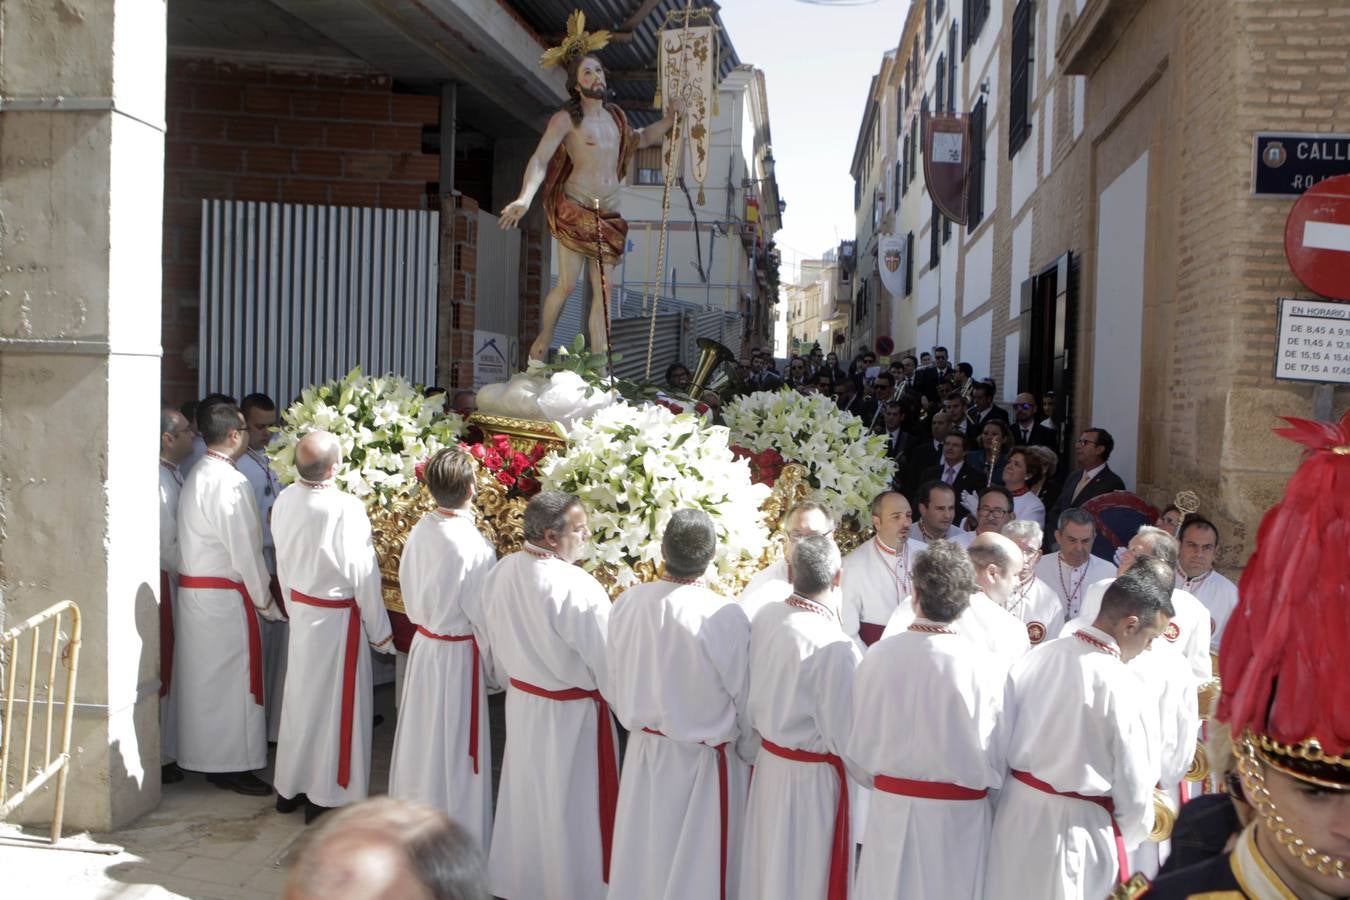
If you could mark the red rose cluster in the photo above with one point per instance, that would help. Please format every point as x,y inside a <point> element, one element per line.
<point>677,409</point>
<point>765,466</point>
<point>508,465</point>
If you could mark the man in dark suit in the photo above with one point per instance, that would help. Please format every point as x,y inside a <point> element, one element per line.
<point>849,399</point>
<point>924,452</point>
<point>1026,430</point>
<point>941,370</point>
<point>1092,477</point>
<point>984,408</point>
<point>953,470</point>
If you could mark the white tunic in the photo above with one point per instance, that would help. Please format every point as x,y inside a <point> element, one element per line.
<point>985,622</point>
<point>875,581</point>
<point>324,551</point>
<point>928,707</point>
<point>1029,508</point>
<point>1071,585</point>
<point>170,485</point>
<point>1078,724</point>
<point>1039,608</point>
<point>220,726</point>
<point>275,635</point>
<point>769,585</point>
<point>1218,595</point>
<point>546,623</point>
<point>678,662</point>
<point>802,667</point>
<point>444,564</point>
<point>1167,683</point>
<point>1187,633</point>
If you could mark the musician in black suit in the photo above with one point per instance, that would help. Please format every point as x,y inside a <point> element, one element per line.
<point>850,400</point>
<point>1092,477</point>
<point>984,408</point>
<point>923,453</point>
<point>1026,430</point>
<point>953,469</point>
<point>927,379</point>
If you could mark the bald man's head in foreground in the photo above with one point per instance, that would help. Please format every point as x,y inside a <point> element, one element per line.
<point>389,849</point>
<point>317,455</point>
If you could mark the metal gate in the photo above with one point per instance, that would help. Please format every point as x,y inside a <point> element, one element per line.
<point>292,295</point>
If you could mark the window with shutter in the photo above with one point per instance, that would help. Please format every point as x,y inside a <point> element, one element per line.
<point>951,69</point>
<point>946,229</point>
<point>904,167</point>
<point>909,264</point>
<point>976,14</point>
<point>648,167</point>
<point>975,196</point>
<point>1019,81</point>
<point>940,97</point>
<point>928,24</point>
<point>913,146</point>
<point>934,239</point>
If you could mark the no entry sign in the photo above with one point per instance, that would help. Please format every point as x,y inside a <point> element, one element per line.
<point>1317,238</point>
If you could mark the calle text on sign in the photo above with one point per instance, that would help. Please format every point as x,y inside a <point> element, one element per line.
<point>1314,341</point>
<point>1287,164</point>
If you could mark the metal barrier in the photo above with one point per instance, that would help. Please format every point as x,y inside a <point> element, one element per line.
<point>60,765</point>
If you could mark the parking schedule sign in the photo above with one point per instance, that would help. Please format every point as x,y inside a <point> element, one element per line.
<point>1314,341</point>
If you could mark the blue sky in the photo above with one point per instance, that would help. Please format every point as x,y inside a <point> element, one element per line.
<point>818,62</point>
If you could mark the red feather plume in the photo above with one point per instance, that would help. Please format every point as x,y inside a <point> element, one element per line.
<point>1283,656</point>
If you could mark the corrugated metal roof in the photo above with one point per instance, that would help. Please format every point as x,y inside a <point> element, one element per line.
<point>549,17</point>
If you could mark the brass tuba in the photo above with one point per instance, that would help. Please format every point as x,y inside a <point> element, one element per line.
<point>711,354</point>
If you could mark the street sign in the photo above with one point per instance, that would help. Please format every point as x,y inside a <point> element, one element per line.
<point>1313,342</point>
<point>1287,164</point>
<point>1317,238</point>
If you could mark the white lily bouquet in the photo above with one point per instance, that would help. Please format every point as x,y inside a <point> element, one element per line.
<point>845,465</point>
<point>633,467</point>
<point>385,424</point>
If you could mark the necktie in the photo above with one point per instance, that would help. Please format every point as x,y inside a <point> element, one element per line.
<point>1026,435</point>
<point>1082,483</point>
<point>950,475</point>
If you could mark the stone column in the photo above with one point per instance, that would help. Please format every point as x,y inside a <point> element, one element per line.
<point>81,185</point>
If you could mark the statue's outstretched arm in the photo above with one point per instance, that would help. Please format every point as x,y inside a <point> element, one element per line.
<point>536,169</point>
<point>653,133</point>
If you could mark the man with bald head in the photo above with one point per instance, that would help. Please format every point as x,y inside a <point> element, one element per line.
<point>1027,432</point>
<point>876,576</point>
<point>331,579</point>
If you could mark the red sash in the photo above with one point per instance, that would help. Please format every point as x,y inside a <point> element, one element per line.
<point>929,790</point>
<point>255,668</point>
<point>350,656</point>
<point>1104,802</point>
<point>473,699</point>
<point>722,799</point>
<point>165,634</point>
<point>870,632</point>
<point>606,762</point>
<point>842,847</point>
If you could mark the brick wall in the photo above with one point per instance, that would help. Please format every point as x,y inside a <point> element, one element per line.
<point>251,133</point>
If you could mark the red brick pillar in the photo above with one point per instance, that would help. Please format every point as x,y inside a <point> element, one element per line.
<point>456,294</point>
<point>533,285</point>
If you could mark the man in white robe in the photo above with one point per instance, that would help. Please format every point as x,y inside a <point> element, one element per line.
<point>1169,692</point>
<point>930,811</point>
<point>1032,601</point>
<point>1188,632</point>
<point>223,590</point>
<point>1082,763</point>
<point>986,621</point>
<point>547,621</point>
<point>175,445</point>
<point>773,583</point>
<point>442,747</point>
<point>1072,568</point>
<point>1199,540</point>
<point>678,662</point>
<point>876,576</point>
<point>260,415</point>
<point>328,571</point>
<point>802,665</point>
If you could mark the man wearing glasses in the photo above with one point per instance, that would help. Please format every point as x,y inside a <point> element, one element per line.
<point>1026,430</point>
<point>1093,477</point>
<point>995,510</point>
<point>774,582</point>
